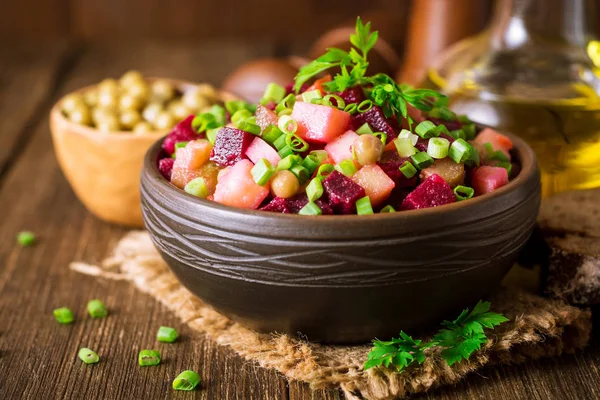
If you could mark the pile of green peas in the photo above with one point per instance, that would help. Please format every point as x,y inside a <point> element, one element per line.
<point>133,103</point>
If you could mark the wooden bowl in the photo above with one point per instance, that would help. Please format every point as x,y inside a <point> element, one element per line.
<point>341,279</point>
<point>103,168</point>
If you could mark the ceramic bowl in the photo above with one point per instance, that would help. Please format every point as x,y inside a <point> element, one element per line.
<point>103,168</point>
<point>341,279</point>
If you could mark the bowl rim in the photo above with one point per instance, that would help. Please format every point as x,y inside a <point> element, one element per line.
<point>91,132</point>
<point>528,175</point>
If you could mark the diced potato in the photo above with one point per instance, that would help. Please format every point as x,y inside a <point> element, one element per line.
<point>448,170</point>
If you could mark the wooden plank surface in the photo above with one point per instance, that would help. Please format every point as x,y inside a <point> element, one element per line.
<point>38,357</point>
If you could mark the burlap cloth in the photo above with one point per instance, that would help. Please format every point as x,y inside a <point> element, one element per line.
<point>538,327</point>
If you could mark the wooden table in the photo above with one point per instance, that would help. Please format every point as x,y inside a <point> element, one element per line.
<point>38,357</point>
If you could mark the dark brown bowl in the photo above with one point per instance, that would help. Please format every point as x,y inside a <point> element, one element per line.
<point>341,279</point>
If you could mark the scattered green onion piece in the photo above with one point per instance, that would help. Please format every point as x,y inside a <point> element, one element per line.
<point>506,165</point>
<point>240,115</point>
<point>363,206</point>
<point>88,356</point>
<point>180,145</point>
<point>458,134</point>
<point>406,134</point>
<point>470,131</point>
<point>312,95</point>
<point>387,209</point>
<point>234,105</point>
<point>271,134</point>
<point>187,380</point>
<point>285,111</point>
<point>463,119</point>
<point>279,143</point>
<point>463,192</point>
<point>288,162</point>
<point>438,147</point>
<point>339,102</point>
<point>219,113</point>
<point>296,143</point>
<point>473,160</point>
<point>382,136</point>
<point>63,315</point>
<point>314,190</point>
<point>404,147</point>
<point>310,209</point>
<point>204,121</point>
<point>287,103</point>
<point>287,125</point>
<point>443,113</point>
<point>324,171</point>
<point>285,151</point>
<point>459,151</point>
<point>262,172</point>
<point>311,163</point>
<point>495,155</point>
<point>301,173</point>
<point>197,187</point>
<point>346,167</point>
<point>320,154</point>
<point>426,130</point>
<point>25,239</point>
<point>166,334</point>
<point>365,129</point>
<point>211,135</point>
<point>408,170</point>
<point>96,309</point>
<point>148,358</point>
<point>273,93</point>
<point>364,106</point>
<point>248,127</point>
<point>422,160</point>
<point>351,108</point>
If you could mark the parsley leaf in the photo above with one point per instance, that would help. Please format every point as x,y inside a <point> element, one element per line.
<point>399,352</point>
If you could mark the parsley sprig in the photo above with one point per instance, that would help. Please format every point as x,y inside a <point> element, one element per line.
<point>380,88</point>
<point>457,341</point>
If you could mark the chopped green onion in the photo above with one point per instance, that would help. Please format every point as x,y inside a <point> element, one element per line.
<point>233,105</point>
<point>404,147</point>
<point>285,111</point>
<point>458,134</point>
<point>197,187</point>
<point>443,113</point>
<point>240,115</point>
<point>273,93</point>
<point>287,103</point>
<point>365,106</point>
<point>310,209</point>
<point>202,122</point>
<point>25,239</point>
<point>311,163</point>
<point>148,358</point>
<point>248,127</point>
<point>422,160</point>
<point>271,134</point>
<point>320,154</point>
<point>460,151</point>
<point>288,162</point>
<point>463,192</point>
<point>363,206</point>
<point>166,334</point>
<point>351,108</point>
<point>346,167</point>
<point>408,170</point>
<point>470,131</point>
<point>406,134</point>
<point>187,380</point>
<point>96,309</point>
<point>426,130</point>
<point>279,143</point>
<point>219,113</point>
<point>88,356</point>
<point>180,145</point>
<point>339,102</point>
<point>311,96</point>
<point>464,119</point>
<point>473,160</point>
<point>387,209</point>
<point>506,165</point>
<point>438,147</point>
<point>296,143</point>
<point>262,172</point>
<point>496,155</point>
<point>314,190</point>
<point>301,173</point>
<point>382,136</point>
<point>63,315</point>
<point>365,129</point>
<point>324,171</point>
<point>211,135</point>
<point>287,124</point>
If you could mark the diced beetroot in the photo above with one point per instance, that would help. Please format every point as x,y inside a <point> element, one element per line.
<point>378,186</point>
<point>165,166</point>
<point>390,163</point>
<point>353,95</point>
<point>341,148</point>
<point>486,179</point>
<point>318,123</point>
<point>422,144</point>
<point>342,193</point>
<point>397,197</point>
<point>238,189</point>
<point>260,149</point>
<point>265,117</point>
<point>377,121</point>
<point>433,192</point>
<point>295,204</point>
<point>278,205</point>
<point>182,132</point>
<point>230,146</point>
